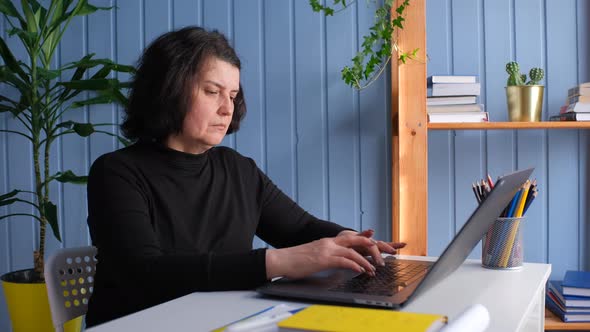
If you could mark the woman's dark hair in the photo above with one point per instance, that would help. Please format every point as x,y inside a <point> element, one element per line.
<point>162,89</point>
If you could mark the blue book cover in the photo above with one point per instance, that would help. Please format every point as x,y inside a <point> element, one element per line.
<point>568,301</point>
<point>576,283</point>
<point>565,316</point>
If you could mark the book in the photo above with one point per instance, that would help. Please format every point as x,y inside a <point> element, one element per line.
<point>565,316</point>
<point>577,98</point>
<point>571,116</point>
<point>576,283</point>
<point>571,310</point>
<point>452,79</point>
<point>582,89</point>
<point>455,89</point>
<point>454,108</point>
<point>450,100</point>
<point>554,286</point>
<point>578,107</point>
<point>340,319</point>
<point>458,117</point>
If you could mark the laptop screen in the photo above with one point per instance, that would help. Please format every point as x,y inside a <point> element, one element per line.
<point>474,229</point>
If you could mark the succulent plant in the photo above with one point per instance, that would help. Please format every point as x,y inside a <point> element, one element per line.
<point>536,75</point>
<point>516,78</point>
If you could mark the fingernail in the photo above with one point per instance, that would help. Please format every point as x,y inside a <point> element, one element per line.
<point>382,263</point>
<point>363,269</point>
<point>373,240</point>
<point>373,268</point>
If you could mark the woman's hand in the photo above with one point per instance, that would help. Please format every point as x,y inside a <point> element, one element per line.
<point>341,251</point>
<point>377,248</point>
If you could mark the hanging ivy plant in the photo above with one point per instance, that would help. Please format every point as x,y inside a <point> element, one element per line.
<point>377,47</point>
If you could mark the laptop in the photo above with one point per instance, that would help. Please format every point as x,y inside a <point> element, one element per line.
<point>401,280</point>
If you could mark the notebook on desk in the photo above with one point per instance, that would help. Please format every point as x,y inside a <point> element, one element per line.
<point>401,280</point>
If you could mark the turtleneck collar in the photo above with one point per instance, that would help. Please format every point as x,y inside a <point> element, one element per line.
<point>178,159</point>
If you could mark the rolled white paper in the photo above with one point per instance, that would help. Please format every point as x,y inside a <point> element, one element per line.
<point>475,318</point>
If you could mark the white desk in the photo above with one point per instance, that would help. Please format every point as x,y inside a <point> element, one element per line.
<point>514,299</point>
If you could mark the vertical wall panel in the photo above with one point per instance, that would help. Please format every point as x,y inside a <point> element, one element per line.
<point>562,183</point>
<point>186,12</point>
<point>466,27</point>
<point>310,78</point>
<point>440,201</point>
<point>342,121</point>
<point>74,152</point>
<point>279,99</point>
<point>498,50</point>
<point>530,37</point>
<point>583,27</point>
<point>374,142</point>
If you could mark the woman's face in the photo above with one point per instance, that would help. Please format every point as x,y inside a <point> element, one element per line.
<point>211,108</point>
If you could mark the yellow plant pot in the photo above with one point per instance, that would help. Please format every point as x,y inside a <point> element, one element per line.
<point>525,102</point>
<point>28,305</point>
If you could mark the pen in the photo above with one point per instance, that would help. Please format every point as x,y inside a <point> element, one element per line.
<point>258,324</point>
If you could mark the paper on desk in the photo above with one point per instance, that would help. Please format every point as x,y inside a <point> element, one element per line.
<point>475,318</point>
<point>262,321</point>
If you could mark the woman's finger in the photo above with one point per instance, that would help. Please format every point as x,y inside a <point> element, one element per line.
<point>354,256</point>
<point>353,241</point>
<point>375,252</point>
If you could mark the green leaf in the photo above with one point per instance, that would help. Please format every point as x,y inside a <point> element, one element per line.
<point>83,129</point>
<point>48,74</point>
<point>8,201</point>
<point>65,124</point>
<point>32,24</point>
<point>50,213</point>
<point>102,99</point>
<point>9,195</point>
<point>89,85</point>
<point>69,177</point>
<point>8,9</point>
<point>10,60</point>
<point>8,76</point>
<point>40,12</point>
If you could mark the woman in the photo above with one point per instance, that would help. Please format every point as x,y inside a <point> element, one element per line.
<point>173,213</point>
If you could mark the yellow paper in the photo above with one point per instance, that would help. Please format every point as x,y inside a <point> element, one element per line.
<point>344,319</point>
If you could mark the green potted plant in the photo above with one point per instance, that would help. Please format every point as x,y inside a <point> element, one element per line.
<point>525,99</point>
<point>378,45</point>
<point>38,97</point>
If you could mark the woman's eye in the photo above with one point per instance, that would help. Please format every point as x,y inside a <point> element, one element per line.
<point>211,92</point>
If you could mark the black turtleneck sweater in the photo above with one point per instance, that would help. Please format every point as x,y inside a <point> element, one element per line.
<point>168,223</point>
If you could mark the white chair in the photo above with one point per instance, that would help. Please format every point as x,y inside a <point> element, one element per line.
<point>69,278</point>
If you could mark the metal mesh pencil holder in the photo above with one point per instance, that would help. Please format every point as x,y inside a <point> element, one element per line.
<point>502,245</point>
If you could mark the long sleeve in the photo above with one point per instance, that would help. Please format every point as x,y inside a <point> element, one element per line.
<point>283,223</point>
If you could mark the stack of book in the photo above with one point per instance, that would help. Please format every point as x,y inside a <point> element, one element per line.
<point>577,104</point>
<point>454,99</point>
<point>570,299</point>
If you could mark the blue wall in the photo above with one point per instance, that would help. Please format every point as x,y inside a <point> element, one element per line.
<point>328,146</point>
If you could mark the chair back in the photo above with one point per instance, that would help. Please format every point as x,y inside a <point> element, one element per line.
<point>69,278</point>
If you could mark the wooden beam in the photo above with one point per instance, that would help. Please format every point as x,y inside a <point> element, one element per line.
<point>410,134</point>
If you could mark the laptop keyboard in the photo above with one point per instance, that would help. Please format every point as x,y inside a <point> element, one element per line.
<point>388,279</point>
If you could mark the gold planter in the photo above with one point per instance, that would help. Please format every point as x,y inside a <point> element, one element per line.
<point>525,102</point>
